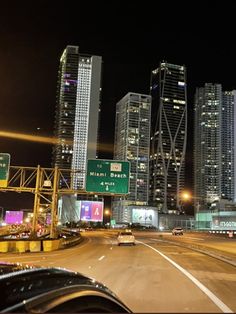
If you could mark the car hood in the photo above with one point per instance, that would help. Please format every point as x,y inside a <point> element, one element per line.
<point>23,282</point>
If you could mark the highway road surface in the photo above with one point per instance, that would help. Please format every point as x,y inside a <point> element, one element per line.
<point>152,276</point>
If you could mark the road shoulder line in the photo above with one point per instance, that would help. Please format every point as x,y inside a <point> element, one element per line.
<point>222,306</point>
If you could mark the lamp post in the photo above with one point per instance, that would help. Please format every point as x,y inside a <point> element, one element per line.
<point>107,214</point>
<point>185,197</point>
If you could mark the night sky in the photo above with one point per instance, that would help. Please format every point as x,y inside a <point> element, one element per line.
<point>131,37</point>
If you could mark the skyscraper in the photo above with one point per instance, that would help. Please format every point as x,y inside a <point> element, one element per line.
<point>168,136</point>
<point>132,140</point>
<point>214,142</point>
<point>228,145</point>
<point>207,144</point>
<point>77,112</point>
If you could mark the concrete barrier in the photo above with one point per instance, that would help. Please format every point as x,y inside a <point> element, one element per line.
<point>51,245</point>
<point>11,246</point>
<point>4,246</point>
<point>70,241</point>
<point>35,246</point>
<point>20,246</point>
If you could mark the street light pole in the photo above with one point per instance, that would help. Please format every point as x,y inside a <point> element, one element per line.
<point>107,214</point>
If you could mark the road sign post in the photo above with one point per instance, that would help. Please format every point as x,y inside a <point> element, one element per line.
<point>4,169</point>
<point>107,176</point>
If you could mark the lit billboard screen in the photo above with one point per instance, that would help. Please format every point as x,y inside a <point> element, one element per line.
<point>144,216</point>
<point>224,222</point>
<point>14,217</point>
<point>91,211</point>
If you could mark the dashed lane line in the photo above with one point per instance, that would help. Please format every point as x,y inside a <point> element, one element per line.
<point>101,258</point>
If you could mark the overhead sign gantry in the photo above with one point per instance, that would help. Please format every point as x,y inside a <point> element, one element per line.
<point>48,183</point>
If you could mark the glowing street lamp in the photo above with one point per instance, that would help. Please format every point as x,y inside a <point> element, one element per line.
<point>107,212</point>
<point>186,196</point>
<point>107,216</point>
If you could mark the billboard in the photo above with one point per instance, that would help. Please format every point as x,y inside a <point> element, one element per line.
<point>224,222</point>
<point>14,217</point>
<point>144,216</point>
<point>91,211</point>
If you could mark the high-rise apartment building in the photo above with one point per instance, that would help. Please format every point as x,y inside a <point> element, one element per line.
<point>207,144</point>
<point>228,145</point>
<point>77,112</point>
<point>168,136</point>
<point>132,141</point>
<point>214,142</point>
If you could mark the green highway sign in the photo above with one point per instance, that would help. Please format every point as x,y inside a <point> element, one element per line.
<point>107,176</point>
<point>4,169</point>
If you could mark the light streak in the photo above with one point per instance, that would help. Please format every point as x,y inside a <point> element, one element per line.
<point>106,147</point>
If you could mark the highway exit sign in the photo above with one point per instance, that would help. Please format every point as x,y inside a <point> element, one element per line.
<point>107,176</point>
<point>4,169</point>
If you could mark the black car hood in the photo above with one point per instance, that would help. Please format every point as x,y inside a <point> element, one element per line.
<point>21,282</point>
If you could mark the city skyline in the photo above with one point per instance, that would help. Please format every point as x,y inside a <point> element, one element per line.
<point>33,38</point>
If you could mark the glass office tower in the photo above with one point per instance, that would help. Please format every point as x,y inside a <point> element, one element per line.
<point>168,136</point>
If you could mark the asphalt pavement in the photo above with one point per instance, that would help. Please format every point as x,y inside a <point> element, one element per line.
<point>153,276</point>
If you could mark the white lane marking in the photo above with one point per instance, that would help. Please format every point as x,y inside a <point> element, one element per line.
<point>185,237</point>
<point>224,308</point>
<point>101,258</point>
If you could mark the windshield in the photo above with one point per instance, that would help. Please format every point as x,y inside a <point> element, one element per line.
<point>118,156</point>
<point>126,233</point>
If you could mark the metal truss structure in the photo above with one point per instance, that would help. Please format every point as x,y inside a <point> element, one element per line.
<point>47,184</point>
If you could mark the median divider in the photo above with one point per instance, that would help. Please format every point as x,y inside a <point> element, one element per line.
<point>4,246</point>
<point>35,246</point>
<point>38,245</point>
<point>51,245</point>
<point>70,241</point>
<point>21,246</point>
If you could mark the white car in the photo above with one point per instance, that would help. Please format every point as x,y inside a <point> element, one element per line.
<point>125,237</point>
<point>178,231</point>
